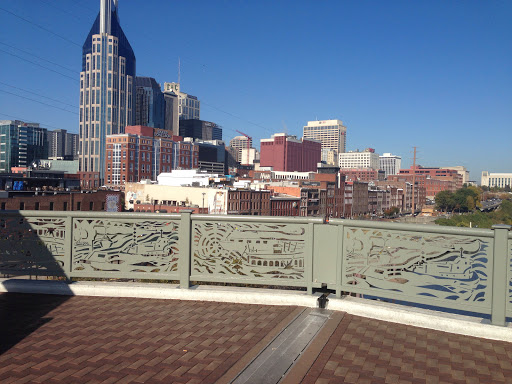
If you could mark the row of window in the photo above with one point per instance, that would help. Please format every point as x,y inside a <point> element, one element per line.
<point>51,206</point>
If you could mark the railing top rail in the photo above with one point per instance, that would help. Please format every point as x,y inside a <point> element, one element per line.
<point>259,219</point>
<point>91,214</point>
<point>414,227</point>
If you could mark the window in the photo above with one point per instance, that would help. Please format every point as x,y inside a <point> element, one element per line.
<point>51,205</point>
<point>65,206</point>
<point>22,206</point>
<point>37,206</point>
<point>78,205</point>
<point>91,206</point>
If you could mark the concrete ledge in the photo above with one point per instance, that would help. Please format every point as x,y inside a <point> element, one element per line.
<point>418,317</point>
<point>162,291</point>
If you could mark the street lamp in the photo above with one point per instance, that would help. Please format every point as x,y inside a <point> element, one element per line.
<point>204,193</point>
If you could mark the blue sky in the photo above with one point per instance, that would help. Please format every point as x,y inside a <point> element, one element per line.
<point>432,74</point>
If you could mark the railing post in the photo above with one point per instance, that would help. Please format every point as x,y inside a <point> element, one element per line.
<point>499,275</point>
<point>339,260</point>
<point>309,259</point>
<point>185,247</point>
<point>68,247</point>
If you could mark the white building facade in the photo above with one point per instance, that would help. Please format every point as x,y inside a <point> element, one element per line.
<point>331,133</point>
<point>358,160</point>
<point>390,164</point>
<point>500,180</point>
<point>189,106</point>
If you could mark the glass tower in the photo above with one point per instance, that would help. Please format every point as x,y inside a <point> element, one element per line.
<point>107,88</point>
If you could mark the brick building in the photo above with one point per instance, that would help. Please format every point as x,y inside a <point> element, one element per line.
<point>54,201</point>
<point>287,153</point>
<point>437,174</point>
<point>284,205</point>
<point>362,174</point>
<point>431,186</point>
<point>248,202</point>
<point>144,152</point>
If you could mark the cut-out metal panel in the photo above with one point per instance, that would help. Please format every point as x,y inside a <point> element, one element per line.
<point>125,248</point>
<point>256,252</point>
<point>455,269</point>
<point>509,279</point>
<point>33,245</point>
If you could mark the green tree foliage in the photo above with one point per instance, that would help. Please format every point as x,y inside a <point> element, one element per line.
<point>391,211</point>
<point>503,215</point>
<point>463,200</point>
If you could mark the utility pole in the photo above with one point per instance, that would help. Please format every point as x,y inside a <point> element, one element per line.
<point>413,182</point>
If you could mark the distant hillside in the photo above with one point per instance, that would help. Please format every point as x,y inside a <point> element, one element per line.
<point>503,215</point>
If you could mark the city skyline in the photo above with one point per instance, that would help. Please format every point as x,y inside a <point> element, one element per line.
<point>440,67</point>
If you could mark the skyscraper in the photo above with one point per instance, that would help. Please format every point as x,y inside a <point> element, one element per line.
<point>62,144</point>
<point>150,103</point>
<point>331,133</point>
<point>107,89</point>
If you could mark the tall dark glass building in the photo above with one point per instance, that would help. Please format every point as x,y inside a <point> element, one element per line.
<point>149,104</point>
<point>107,89</point>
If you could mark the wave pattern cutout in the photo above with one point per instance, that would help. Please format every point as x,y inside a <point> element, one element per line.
<point>261,251</point>
<point>125,246</point>
<point>449,267</point>
<point>32,245</point>
<point>509,304</point>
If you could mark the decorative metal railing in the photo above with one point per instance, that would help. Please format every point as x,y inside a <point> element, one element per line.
<point>454,268</point>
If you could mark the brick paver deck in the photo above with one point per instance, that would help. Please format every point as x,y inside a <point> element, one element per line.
<point>66,339</point>
<point>124,340</point>
<point>362,350</point>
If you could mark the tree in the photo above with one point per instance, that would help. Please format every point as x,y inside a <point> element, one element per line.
<point>391,211</point>
<point>445,201</point>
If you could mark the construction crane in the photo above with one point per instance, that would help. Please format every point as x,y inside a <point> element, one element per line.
<point>249,139</point>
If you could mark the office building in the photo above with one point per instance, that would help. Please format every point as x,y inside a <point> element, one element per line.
<point>355,159</point>
<point>189,106</point>
<point>107,90</point>
<point>20,144</point>
<point>149,103</point>
<point>199,129</point>
<point>461,170</point>
<point>435,173</point>
<point>500,180</point>
<point>331,133</point>
<point>238,143</point>
<point>62,144</point>
<point>138,153</point>
<point>390,164</point>
<point>171,113</point>
<point>286,153</point>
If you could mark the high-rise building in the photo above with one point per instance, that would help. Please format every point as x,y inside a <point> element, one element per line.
<point>171,112</point>
<point>390,164</point>
<point>20,144</point>
<point>356,160</point>
<point>331,133</point>
<point>199,129</point>
<point>150,103</point>
<point>107,90</point>
<point>62,144</point>
<point>238,143</point>
<point>189,106</point>
<point>286,153</point>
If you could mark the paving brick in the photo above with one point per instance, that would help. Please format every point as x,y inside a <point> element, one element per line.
<point>405,354</point>
<point>99,339</point>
